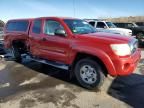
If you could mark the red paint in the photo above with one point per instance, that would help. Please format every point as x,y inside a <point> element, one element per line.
<point>65,49</point>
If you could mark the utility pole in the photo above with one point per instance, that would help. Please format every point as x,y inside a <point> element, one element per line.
<point>74,11</point>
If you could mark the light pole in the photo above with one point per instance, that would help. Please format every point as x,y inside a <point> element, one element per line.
<point>74,13</point>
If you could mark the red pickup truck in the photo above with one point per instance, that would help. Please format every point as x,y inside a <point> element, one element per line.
<point>74,45</point>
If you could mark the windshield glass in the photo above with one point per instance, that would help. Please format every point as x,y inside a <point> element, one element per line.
<point>79,26</point>
<point>111,25</point>
<point>135,25</point>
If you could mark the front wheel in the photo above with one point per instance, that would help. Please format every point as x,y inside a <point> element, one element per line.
<point>89,73</point>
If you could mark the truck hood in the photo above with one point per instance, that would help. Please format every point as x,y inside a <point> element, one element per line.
<point>105,37</point>
<point>140,28</point>
<point>121,29</point>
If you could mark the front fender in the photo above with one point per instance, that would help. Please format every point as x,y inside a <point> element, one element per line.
<point>97,53</point>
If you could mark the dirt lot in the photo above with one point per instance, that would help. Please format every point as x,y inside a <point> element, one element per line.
<point>33,85</point>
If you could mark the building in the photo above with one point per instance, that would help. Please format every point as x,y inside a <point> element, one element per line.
<point>127,19</point>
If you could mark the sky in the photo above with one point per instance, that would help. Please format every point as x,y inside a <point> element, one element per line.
<point>12,9</point>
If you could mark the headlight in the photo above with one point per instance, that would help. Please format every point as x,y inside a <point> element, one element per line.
<point>121,49</point>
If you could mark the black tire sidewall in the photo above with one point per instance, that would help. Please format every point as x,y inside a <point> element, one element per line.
<point>17,55</point>
<point>96,66</point>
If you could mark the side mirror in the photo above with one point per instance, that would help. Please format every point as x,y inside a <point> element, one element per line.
<point>60,32</point>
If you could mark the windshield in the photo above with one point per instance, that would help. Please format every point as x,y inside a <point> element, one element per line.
<point>79,26</point>
<point>111,25</point>
<point>135,25</point>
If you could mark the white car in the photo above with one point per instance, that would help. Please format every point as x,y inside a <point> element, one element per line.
<point>1,35</point>
<point>105,26</point>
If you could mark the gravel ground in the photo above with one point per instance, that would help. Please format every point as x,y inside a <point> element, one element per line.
<point>33,85</point>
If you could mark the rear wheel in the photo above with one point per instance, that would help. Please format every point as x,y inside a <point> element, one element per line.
<point>16,54</point>
<point>89,73</point>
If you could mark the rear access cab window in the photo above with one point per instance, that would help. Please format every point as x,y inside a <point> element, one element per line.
<point>17,26</point>
<point>37,26</point>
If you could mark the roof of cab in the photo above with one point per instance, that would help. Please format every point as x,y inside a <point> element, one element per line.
<point>30,19</point>
<point>59,17</point>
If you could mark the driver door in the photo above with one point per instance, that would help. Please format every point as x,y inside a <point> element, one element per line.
<point>54,47</point>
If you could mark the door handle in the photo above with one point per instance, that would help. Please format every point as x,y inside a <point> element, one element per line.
<point>44,39</point>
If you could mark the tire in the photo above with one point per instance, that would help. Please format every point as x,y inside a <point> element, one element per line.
<point>16,54</point>
<point>139,36</point>
<point>92,79</point>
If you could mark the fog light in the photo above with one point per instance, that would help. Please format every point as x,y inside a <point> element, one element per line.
<point>126,66</point>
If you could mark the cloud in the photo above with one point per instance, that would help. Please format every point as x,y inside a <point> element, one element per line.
<point>107,12</point>
<point>44,8</point>
<point>40,6</point>
<point>36,8</point>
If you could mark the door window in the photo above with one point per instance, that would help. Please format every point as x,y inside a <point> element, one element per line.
<point>100,25</point>
<point>92,23</point>
<point>51,26</point>
<point>37,26</point>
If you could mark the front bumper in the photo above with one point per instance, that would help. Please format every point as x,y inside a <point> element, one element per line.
<point>125,66</point>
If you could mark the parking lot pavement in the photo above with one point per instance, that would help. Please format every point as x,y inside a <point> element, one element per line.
<point>33,85</point>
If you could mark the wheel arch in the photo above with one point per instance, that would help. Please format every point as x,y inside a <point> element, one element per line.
<point>81,55</point>
<point>19,44</point>
<point>97,54</point>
